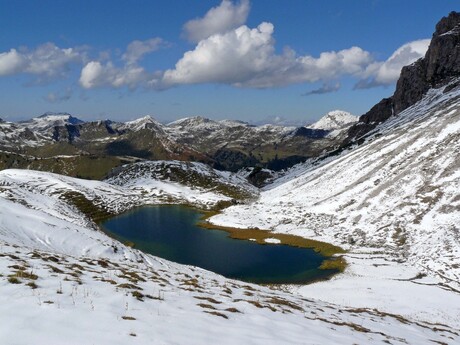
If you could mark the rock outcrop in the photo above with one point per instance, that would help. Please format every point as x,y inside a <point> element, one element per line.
<point>440,64</point>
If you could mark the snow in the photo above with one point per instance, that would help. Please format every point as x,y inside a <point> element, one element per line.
<point>197,183</point>
<point>142,123</point>
<point>50,120</point>
<point>336,119</point>
<point>91,287</point>
<point>272,240</point>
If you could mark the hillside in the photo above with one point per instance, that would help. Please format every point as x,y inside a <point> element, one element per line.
<point>59,272</point>
<point>396,194</point>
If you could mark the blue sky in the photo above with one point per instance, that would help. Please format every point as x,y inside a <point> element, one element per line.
<point>249,60</point>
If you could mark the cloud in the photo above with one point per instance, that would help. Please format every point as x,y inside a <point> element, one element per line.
<point>107,74</point>
<point>386,73</point>
<point>217,20</point>
<point>137,49</point>
<point>325,88</point>
<point>246,57</point>
<point>46,62</point>
<point>95,74</point>
<point>11,62</point>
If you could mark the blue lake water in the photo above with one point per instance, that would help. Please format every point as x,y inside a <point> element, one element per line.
<point>171,232</point>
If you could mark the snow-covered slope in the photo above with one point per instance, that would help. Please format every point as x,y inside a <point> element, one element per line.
<point>143,123</point>
<point>62,281</point>
<point>176,181</point>
<point>50,120</point>
<point>205,134</point>
<point>333,120</point>
<point>397,193</point>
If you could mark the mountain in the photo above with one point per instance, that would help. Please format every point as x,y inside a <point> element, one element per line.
<point>146,122</point>
<point>391,198</point>
<point>226,144</point>
<point>439,66</point>
<point>197,178</point>
<point>49,120</point>
<point>336,119</point>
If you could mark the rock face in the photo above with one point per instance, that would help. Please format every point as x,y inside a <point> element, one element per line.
<point>440,64</point>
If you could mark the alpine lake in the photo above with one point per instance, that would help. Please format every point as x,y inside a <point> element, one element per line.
<point>172,232</point>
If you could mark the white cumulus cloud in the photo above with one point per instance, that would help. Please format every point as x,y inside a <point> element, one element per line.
<point>387,72</point>
<point>95,74</point>
<point>246,57</point>
<point>47,61</point>
<point>11,62</point>
<point>130,74</point>
<point>217,20</point>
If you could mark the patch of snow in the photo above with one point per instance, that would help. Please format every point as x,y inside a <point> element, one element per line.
<point>272,240</point>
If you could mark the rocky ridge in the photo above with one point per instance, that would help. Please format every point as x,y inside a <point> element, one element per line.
<point>440,64</point>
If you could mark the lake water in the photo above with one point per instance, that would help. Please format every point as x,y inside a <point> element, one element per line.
<point>171,232</point>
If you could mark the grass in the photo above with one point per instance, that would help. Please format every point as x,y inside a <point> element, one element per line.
<point>232,310</point>
<point>86,206</point>
<point>14,280</point>
<point>338,264</point>
<point>206,306</point>
<point>26,275</point>
<point>128,318</point>
<point>260,236</point>
<point>209,299</point>
<point>283,302</point>
<point>32,285</point>
<point>216,313</point>
<point>138,295</point>
<point>54,269</point>
<point>129,286</point>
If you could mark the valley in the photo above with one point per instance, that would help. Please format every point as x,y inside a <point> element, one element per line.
<point>343,231</point>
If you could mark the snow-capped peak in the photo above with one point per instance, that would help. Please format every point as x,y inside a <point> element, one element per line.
<point>335,119</point>
<point>190,121</point>
<point>144,122</point>
<point>50,119</point>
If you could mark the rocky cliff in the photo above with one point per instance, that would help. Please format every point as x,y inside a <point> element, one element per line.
<point>440,64</point>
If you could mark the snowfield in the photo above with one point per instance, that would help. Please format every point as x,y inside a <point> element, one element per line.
<point>393,201</point>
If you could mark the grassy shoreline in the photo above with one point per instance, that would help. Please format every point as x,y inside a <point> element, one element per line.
<point>328,250</point>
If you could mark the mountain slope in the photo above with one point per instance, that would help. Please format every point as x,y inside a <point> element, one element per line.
<point>398,192</point>
<point>58,271</point>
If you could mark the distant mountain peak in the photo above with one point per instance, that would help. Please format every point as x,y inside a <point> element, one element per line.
<point>144,122</point>
<point>51,119</point>
<point>194,121</point>
<point>334,119</point>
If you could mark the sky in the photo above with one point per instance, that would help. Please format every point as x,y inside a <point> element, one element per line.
<point>278,61</point>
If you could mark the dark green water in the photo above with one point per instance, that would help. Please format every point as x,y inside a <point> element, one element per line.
<point>171,232</point>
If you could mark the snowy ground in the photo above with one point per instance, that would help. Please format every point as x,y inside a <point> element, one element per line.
<point>62,283</point>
